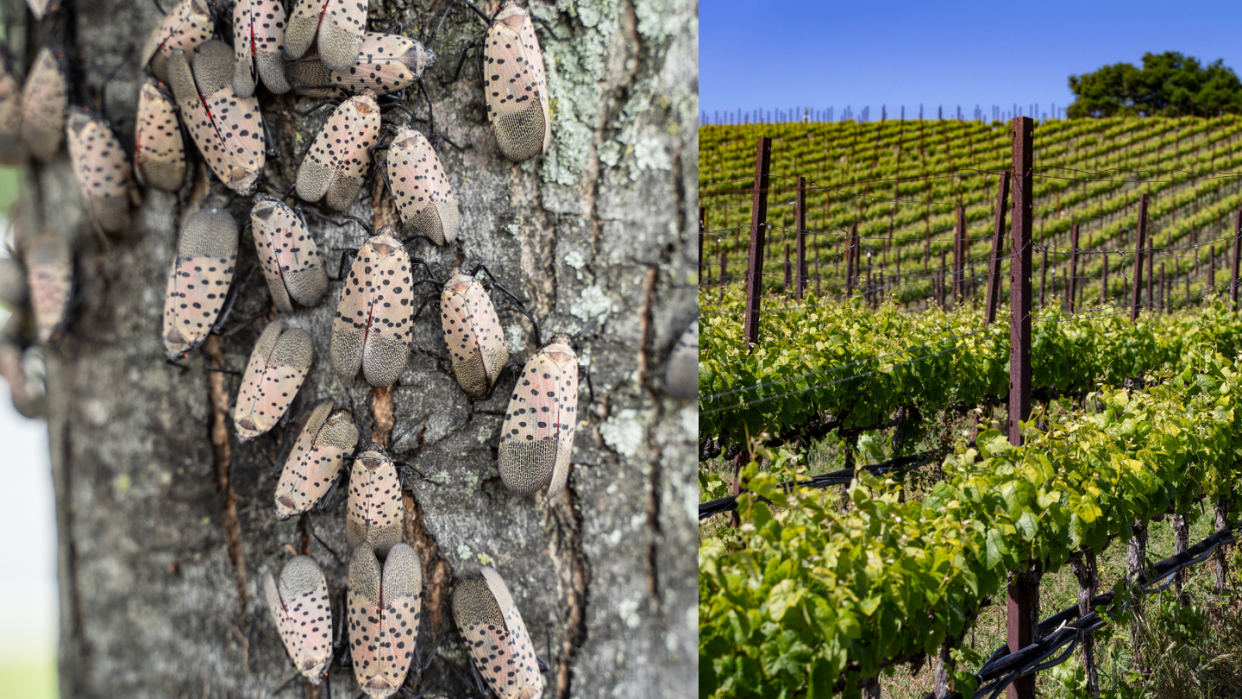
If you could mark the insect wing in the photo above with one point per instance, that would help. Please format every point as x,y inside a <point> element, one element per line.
<point>525,676</point>
<point>338,159</point>
<point>340,33</point>
<point>289,256</point>
<point>481,618</point>
<point>375,510</point>
<point>303,615</point>
<point>372,329</point>
<point>386,63</point>
<point>355,153</point>
<point>259,38</point>
<point>514,86</point>
<point>44,100</point>
<point>159,152</point>
<point>293,491</point>
<point>537,437</point>
<point>363,602</point>
<point>421,189</point>
<point>303,26</point>
<point>402,591</point>
<point>185,28</point>
<point>472,333</point>
<point>244,72</point>
<point>199,281</point>
<point>240,125</point>
<point>324,158</point>
<point>12,148</point>
<point>49,269</point>
<point>276,370</point>
<point>102,172</point>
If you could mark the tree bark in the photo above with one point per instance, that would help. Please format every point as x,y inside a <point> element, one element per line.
<point>166,522</point>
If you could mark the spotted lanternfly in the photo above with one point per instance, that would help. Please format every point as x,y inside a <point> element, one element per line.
<point>199,280</point>
<point>383,607</point>
<point>49,270</point>
<point>421,189</point>
<point>44,101</point>
<point>27,393</point>
<point>227,129</point>
<point>339,25</point>
<point>537,437</point>
<point>341,154</point>
<point>386,63</point>
<point>102,171</point>
<point>476,342</point>
<point>682,373</point>
<point>496,637</point>
<point>276,370</point>
<point>375,510</point>
<point>314,465</point>
<point>187,26</point>
<point>374,316</point>
<point>259,42</point>
<point>12,149</point>
<point>303,615</point>
<point>159,152</point>
<point>514,86</point>
<point>288,253</point>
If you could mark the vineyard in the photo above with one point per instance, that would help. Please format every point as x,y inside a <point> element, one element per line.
<point>979,438</point>
<point>898,186</point>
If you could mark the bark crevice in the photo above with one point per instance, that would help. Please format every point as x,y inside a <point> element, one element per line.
<point>218,396</point>
<point>564,547</point>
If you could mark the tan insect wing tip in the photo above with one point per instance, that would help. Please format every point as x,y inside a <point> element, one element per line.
<point>213,67</point>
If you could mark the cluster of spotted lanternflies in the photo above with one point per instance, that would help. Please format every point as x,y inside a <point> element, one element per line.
<point>322,49</point>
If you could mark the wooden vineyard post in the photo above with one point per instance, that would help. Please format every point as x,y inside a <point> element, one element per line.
<point>959,258</point>
<point>1181,542</point>
<point>702,233</point>
<point>724,270</point>
<point>1104,281</point>
<point>800,224</point>
<point>1136,563</point>
<point>1237,241</point>
<point>1085,571</point>
<point>758,231</point>
<point>1222,523</point>
<point>1023,595</point>
<point>1140,246</point>
<point>851,261</point>
<point>1072,282</point>
<point>1151,273</point>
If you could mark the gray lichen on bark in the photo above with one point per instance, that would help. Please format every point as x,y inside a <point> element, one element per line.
<point>166,522</point>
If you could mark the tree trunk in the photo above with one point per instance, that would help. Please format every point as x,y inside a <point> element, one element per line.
<point>166,522</point>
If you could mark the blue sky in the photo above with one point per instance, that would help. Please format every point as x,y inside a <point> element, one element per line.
<point>781,54</point>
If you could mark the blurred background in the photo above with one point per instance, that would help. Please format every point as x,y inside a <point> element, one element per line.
<point>28,591</point>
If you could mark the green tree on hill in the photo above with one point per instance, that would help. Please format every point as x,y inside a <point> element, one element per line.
<point>1168,83</point>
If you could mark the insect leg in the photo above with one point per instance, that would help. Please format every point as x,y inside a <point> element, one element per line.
<point>347,257</point>
<point>311,528</point>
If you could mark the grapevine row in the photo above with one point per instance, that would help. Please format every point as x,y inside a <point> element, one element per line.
<point>808,599</point>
